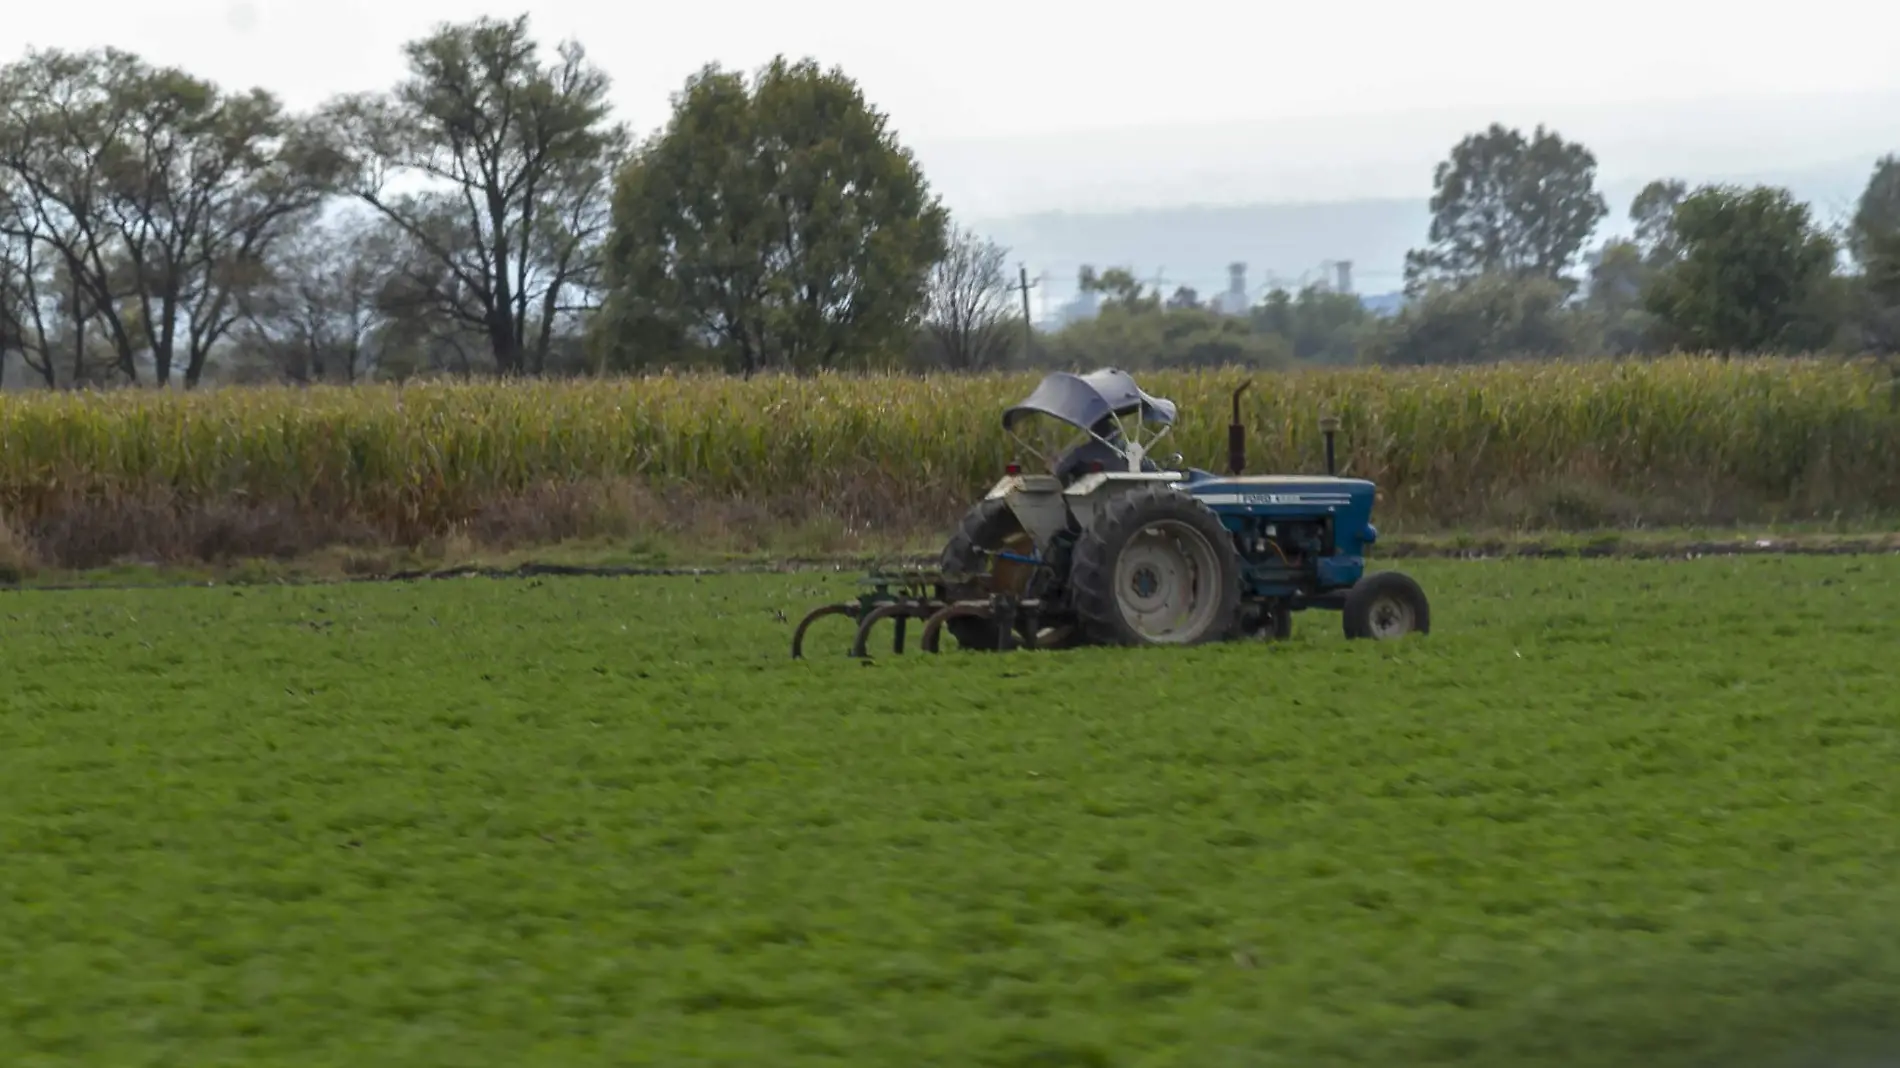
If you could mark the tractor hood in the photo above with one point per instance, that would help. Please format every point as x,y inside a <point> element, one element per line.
<point>1084,400</point>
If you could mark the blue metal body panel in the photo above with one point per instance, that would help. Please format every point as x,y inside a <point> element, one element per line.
<point>1337,512</point>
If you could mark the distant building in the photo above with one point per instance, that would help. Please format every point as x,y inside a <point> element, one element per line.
<point>1234,301</point>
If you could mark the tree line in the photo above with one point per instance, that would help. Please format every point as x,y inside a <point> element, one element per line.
<point>1507,273</point>
<point>488,214</point>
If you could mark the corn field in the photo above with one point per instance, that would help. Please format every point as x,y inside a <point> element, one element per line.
<point>1745,439</point>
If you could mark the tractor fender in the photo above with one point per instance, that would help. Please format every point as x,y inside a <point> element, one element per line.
<point>1088,498</point>
<point>1038,505</point>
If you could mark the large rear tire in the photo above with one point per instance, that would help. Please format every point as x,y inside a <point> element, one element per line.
<point>1157,569</point>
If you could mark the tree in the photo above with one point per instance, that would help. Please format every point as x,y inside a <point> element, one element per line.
<point>1616,276</point>
<point>317,315</point>
<point>36,323</point>
<point>1504,203</point>
<point>515,159</point>
<point>1119,288</point>
<point>1877,215</point>
<point>1875,238</point>
<point>967,315</point>
<point>157,192</point>
<point>1880,255</point>
<point>1319,324</point>
<point>56,119</point>
<point>1653,210</point>
<point>1613,302</point>
<point>1621,269</point>
<point>777,224</point>
<point>1751,273</point>
<point>1492,317</point>
<point>49,212</point>
<point>27,282</point>
<point>1138,338</point>
<point>44,311</point>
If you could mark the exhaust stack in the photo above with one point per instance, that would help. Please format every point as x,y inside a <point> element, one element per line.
<point>1237,436</point>
<point>1329,425</point>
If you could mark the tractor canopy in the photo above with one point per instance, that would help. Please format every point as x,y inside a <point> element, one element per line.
<point>1083,401</point>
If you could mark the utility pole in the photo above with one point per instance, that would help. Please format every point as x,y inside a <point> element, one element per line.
<point>1029,328</point>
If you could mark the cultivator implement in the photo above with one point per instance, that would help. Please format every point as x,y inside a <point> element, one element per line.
<point>934,598</point>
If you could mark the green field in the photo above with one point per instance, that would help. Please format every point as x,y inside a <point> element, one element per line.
<point>1608,813</point>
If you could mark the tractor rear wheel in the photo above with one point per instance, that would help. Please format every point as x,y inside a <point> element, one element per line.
<point>1157,569</point>
<point>987,528</point>
<point>1386,605</point>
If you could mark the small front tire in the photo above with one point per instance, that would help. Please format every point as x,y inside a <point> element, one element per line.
<point>1385,606</point>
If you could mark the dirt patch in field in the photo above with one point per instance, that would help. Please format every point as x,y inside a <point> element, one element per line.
<point>77,532</point>
<point>626,527</point>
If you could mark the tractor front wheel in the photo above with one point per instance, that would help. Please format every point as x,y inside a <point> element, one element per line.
<point>1386,605</point>
<point>1157,569</point>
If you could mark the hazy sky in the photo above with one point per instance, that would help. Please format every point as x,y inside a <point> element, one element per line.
<point>1026,105</point>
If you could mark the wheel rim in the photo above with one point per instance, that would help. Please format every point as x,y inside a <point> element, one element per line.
<point>1165,582</point>
<point>1390,617</point>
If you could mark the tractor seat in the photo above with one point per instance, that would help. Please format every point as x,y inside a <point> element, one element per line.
<point>1080,460</point>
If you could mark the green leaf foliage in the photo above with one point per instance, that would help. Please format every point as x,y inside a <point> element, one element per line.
<point>157,194</point>
<point>1320,325</point>
<point>1752,274</point>
<point>494,166</point>
<point>1491,317</point>
<point>771,225</point>
<point>1138,338</point>
<point>1506,203</point>
<point>1877,215</point>
<point>1653,210</point>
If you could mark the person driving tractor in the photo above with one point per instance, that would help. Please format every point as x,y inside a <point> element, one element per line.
<point>1104,446</point>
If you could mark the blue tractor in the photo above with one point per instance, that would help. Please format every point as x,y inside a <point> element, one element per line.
<point>1109,547</point>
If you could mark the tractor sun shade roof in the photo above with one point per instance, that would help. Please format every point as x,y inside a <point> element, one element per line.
<point>1084,400</point>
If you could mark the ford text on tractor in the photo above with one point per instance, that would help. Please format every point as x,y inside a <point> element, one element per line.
<point>1108,547</point>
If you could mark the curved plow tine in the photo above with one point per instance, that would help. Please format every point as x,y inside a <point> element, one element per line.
<point>933,627</point>
<point>877,615</point>
<point>1026,631</point>
<point>798,636</point>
